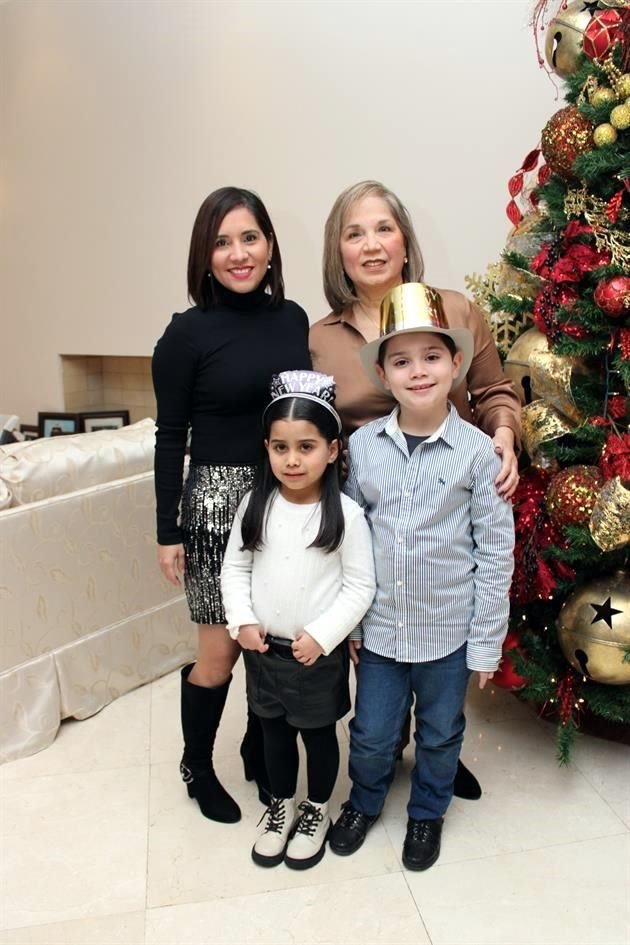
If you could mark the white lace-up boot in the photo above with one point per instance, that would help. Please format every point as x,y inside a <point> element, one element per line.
<point>308,843</point>
<point>271,845</point>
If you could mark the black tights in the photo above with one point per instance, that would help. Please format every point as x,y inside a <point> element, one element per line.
<point>281,758</point>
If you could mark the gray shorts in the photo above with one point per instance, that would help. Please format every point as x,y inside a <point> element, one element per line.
<point>307,696</point>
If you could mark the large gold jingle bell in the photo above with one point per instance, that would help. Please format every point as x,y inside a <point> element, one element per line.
<point>594,629</point>
<point>517,363</point>
<point>563,43</point>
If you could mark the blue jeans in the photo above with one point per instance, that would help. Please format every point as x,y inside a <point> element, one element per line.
<point>384,694</point>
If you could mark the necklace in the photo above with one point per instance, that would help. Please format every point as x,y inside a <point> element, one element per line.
<point>367,324</point>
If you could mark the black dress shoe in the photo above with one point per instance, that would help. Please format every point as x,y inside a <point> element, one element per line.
<point>350,831</point>
<point>422,843</point>
<point>466,784</point>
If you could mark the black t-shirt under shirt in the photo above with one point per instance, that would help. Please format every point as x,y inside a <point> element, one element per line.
<point>413,441</point>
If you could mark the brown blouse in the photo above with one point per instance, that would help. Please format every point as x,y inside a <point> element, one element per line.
<point>487,399</point>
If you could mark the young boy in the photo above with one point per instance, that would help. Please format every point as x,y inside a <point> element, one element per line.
<point>443,542</point>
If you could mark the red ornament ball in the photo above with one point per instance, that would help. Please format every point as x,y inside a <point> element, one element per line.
<point>571,495</point>
<point>506,676</point>
<point>601,33</point>
<point>613,296</point>
<point>566,135</point>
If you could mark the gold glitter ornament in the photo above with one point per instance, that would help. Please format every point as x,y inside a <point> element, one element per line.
<point>566,135</point>
<point>602,96</point>
<point>620,117</point>
<point>603,135</point>
<point>551,376</point>
<point>594,629</point>
<point>517,363</point>
<point>623,85</point>
<point>610,519</point>
<point>571,495</point>
<point>540,423</point>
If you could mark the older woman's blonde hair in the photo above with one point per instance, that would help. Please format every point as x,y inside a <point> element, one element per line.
<point>338,288</point>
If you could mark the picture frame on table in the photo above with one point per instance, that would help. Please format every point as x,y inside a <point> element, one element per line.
<point>57,423</point>
<point>93,420</point>
<point>29,431</point>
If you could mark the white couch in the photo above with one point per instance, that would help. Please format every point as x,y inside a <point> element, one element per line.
<point>85,614</point>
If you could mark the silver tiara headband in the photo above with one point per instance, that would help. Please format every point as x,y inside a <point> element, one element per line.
<point>308,385</point>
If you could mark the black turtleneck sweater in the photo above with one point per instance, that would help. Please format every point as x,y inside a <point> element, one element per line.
<point>211,371</point>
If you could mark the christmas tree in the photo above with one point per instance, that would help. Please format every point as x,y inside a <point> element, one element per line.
<point>559,306</point>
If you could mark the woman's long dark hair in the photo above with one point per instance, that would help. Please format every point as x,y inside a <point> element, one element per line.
<point>211,214</point>
<point>331,526</point>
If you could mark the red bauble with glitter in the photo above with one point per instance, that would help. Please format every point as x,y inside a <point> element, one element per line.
<point>572,494</point>
<point>566,135</point>
<point>601,33</point>
<point>506,676</point>
<point>613,296</point>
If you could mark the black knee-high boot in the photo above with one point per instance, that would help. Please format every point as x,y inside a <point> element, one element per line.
<point>202,709</point>
<point>253,755</point>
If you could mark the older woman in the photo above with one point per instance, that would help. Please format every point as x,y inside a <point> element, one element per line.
<point>369,247</point>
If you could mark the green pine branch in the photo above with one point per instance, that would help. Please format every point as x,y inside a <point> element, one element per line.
<point>517,260</point>
<point>553,193</point>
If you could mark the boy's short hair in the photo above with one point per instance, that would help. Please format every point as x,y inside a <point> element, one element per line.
<point>446,340</point>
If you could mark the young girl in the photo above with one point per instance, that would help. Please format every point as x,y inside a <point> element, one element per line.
<point>297,577</point>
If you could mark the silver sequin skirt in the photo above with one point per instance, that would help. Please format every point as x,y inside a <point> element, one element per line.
<point>209,503</point>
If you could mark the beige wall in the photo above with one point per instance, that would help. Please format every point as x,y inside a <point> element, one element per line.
<point>119,116</point>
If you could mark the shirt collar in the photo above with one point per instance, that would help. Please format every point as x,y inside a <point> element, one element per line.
<point>446,430</point>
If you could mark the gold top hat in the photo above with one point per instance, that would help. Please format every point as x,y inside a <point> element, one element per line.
<point>413,307</point>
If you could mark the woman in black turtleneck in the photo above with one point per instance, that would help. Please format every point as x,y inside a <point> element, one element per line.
<point>211,372</point>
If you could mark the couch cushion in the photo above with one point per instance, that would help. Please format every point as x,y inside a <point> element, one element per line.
<point>57,465</point>
<point>5,496</point>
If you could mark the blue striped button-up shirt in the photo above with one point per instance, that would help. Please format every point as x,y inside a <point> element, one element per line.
<point>443,541</point>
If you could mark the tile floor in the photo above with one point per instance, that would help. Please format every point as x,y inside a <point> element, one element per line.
<point>100,844</point>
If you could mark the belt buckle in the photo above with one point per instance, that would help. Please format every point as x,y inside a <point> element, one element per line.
<point>281,647</point>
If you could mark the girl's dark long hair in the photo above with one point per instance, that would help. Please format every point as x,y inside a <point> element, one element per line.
<point>331,526</point>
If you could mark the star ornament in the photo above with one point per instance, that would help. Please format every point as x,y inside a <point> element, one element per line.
<point>604,612</point>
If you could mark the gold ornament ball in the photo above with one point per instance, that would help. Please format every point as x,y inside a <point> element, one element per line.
<point>594,629</point>
<point>620,117</point>
<point>603,135</point>
<point>563,43</point>
<point>623,85</point>
<point>516,365</point>
<point>602,96</point>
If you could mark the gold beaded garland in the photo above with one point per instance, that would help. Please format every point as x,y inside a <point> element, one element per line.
<point>620,117</point>
<point>603,135</point>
